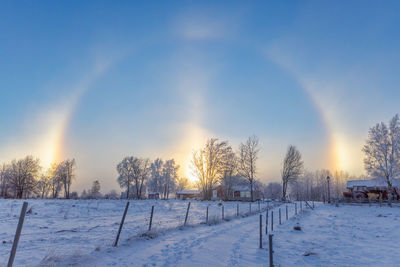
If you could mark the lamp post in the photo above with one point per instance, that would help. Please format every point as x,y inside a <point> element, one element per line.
<point>328,179</point>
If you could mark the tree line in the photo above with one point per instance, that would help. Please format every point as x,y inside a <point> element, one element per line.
<point>217,163</point>
<point>24,178</point>
<point>138,175</point>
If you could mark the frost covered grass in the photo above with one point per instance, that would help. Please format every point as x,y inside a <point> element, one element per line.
<point>58,229</point>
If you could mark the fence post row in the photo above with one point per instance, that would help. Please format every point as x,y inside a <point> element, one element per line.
<point>272,220</point>
<point>280,220</point>
<point>266,222</point>
<point>151,217</point>
<point>187,214</point>
<point>287,215</point>
<point>271,251</point>
<point>260,230</point>
<point>17,234</point>
<point>207,215</point>
<point>121,224</point>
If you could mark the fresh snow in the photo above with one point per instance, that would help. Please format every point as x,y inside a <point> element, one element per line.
<point>80,233</point>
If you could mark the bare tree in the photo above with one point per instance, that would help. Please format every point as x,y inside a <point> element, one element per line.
<point>94,192</point>
<point>24,173</point>
<point>182,183</point>
<point>292,168</point>
<point>65,171</point>
<point>169,177</point>
<point>55,183</point>
<point>208,164</point>
<point>43,185</point>
<point>126,174</point>
<point>273,190</point>
<point>134,172</point>
<point>229,176</point>
<point>142,173</point>
<point>5,180</point>
<point>155,182</point>
<point>247,162</point>
<point>382,151</point>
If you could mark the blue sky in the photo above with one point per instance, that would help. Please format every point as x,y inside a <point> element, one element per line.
<point>99,80</point>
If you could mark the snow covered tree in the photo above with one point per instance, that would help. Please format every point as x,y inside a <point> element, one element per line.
<point>65,172</point>
<point>273,190</point>
<point>292,168</point>
<point>169,177</point>
<point>133,172</point>
<point>248,152</point>
<point>55,180</point>
<point>182,183</point>
<point>382,151</point>
<point>95,190</point>
<point>23,176</point>
<point>154,184</point>
<point>5,180</point>
<point>126,174</point>
<point>208,163</point>
<point>229,176</point>
<point>43,186</point>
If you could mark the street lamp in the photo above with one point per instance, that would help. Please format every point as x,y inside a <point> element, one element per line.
<point>329,191</point>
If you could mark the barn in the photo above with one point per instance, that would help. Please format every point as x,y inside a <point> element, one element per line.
<point>153,195</point>
<point>371,189</point>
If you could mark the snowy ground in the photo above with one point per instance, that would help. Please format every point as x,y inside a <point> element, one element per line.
<point>80,233</point>
<point>65,229</point>
<point>348,235</point>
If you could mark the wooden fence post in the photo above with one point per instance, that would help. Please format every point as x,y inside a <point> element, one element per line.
<point>287,215</point>
<point>272,220</point>
<point>266,222</point>
<point>121,224</point>
<point>207,215</point>
<point>280,221</point>
<point>271,251</point>
<point>295,208</point>
<point>301,206</point>
<point>151,217</point>
<point>187,214</point>
<point>260,230</point>
<point>237,210</point>
<point>17,234</point>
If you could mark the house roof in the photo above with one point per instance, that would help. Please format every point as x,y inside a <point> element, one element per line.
<point>241,188</point>
<point>377,182</point>
<point>188,192</point>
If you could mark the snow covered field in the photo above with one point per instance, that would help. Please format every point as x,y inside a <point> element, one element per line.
<point>80,233</point>
<point>348,235</point>
<point>66,228</point>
